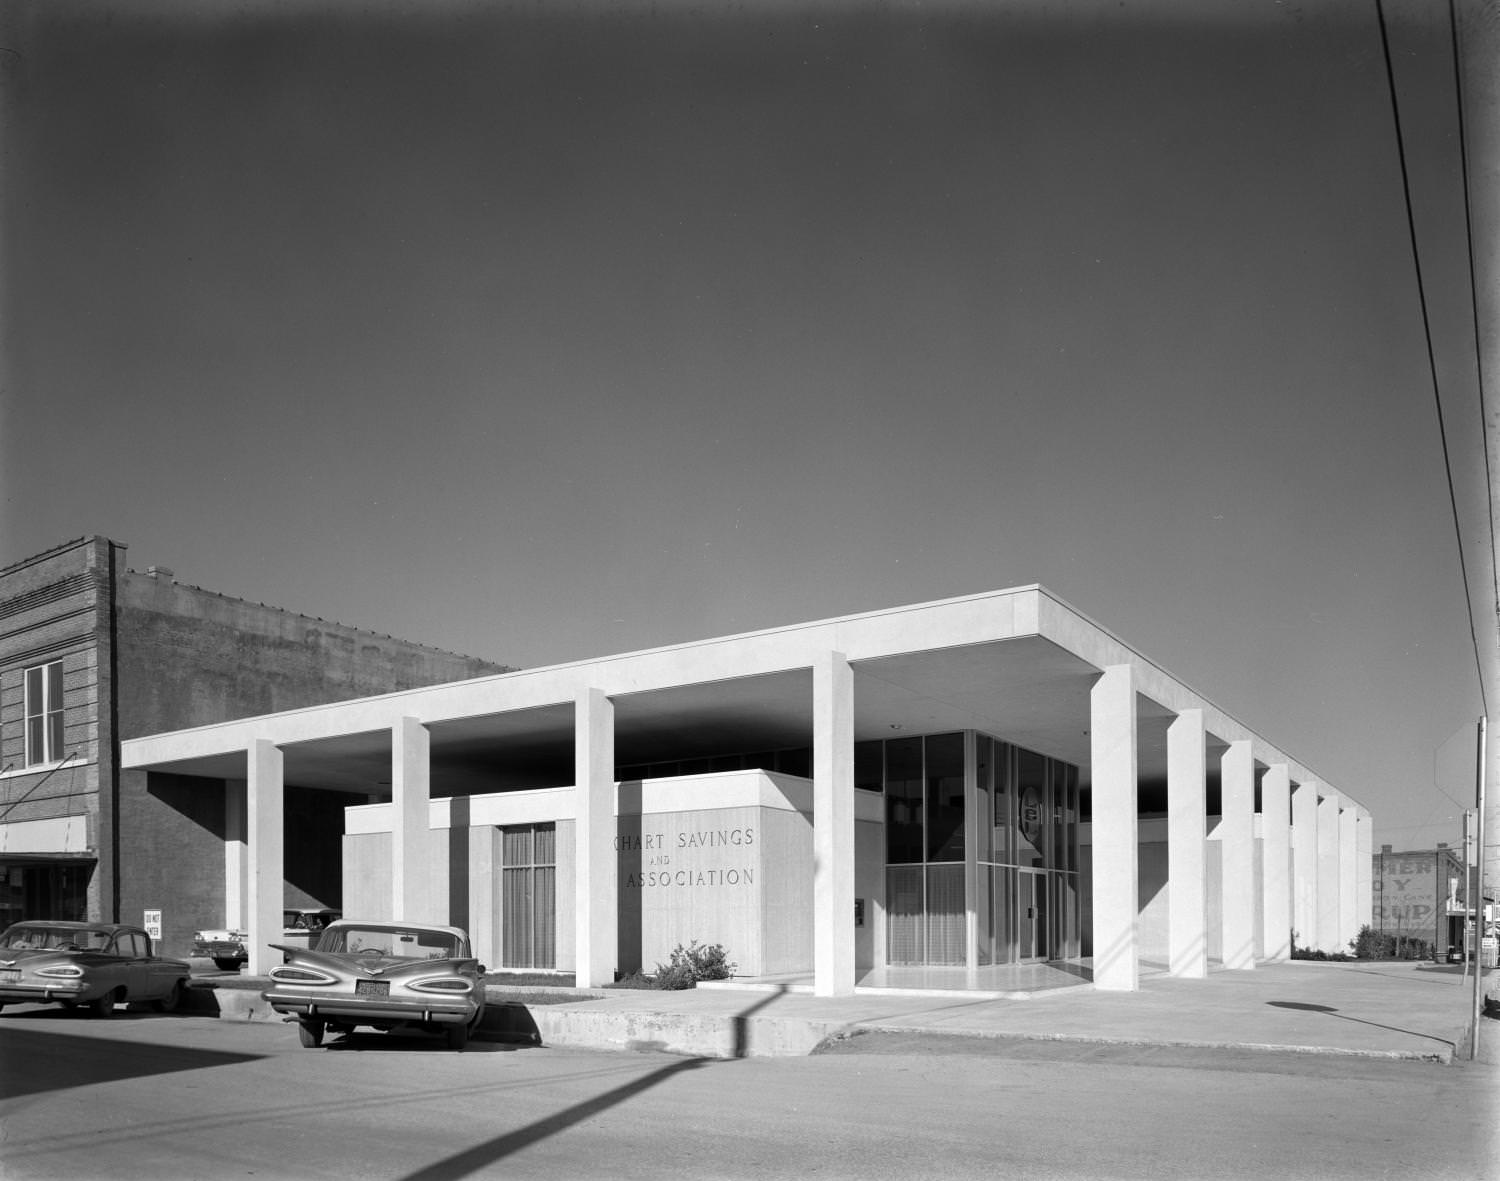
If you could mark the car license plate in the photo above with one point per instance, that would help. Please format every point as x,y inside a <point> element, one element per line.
<point>10,975</point>
<point>372,988</point>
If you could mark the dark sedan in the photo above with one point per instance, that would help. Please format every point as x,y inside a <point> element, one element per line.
<point>94,966</point>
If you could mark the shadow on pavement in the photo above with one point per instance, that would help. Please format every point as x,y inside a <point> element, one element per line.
<point>481,1156</point>
<point>32,1062</point>
<point>1332,1012</point>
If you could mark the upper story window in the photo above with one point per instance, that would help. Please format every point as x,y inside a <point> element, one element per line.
<point>44,713</point>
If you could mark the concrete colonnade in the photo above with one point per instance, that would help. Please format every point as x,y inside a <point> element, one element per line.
<point>1292,874</point>
<point>1312,879</point>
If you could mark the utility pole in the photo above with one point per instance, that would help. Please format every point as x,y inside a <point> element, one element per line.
<point>1467,944</point>
<point>1476,1015</point>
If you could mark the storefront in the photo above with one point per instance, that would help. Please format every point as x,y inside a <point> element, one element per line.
<point>44,888</point>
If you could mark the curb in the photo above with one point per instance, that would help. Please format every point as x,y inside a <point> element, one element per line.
<point>1444,1056</point>
<point>727,1036</point>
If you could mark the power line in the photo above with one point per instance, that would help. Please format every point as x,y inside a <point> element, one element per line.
<point>1416,258</point>
<point>1463,160</point>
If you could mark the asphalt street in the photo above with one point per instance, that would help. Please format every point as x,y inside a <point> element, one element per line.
<point>174,1097</point>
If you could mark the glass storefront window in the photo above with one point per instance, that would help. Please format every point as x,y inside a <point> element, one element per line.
<point>1031,808</point>
<point>869,765</point>
<point>984,798</point>
<point>903,801</point>
<point>1026,904</point>
<point>1005,801</point>
<point>945,797</point>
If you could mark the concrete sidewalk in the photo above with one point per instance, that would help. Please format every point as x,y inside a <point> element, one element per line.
<point>1393,1010</point>
<point>1399,1010</point>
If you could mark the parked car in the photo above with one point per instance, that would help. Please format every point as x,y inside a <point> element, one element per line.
<point>384,975</point>
<point>89,965</point>
<point>226,946</point>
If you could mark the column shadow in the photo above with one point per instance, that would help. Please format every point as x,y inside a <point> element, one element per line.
<point>1332,1012</point>
<point>481,1156</point>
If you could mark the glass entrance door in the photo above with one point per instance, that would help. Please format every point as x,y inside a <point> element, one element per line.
<point>1031,915</point>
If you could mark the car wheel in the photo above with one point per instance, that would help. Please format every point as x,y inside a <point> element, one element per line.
<point>172,1001</point>
<point>102,1006</point>
<point>310,1033</point>
<point>227,965</point>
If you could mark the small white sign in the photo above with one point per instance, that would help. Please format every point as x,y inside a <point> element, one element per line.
<point>153,924</point>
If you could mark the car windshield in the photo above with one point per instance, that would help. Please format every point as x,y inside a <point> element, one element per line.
<point>39,936</point>
<point>407,943</point>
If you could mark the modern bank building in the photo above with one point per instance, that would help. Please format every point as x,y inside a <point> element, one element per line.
<point>971,794</point>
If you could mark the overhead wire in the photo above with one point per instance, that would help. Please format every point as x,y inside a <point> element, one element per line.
<point>1416,258</point>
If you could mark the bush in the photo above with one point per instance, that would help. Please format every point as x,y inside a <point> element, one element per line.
<point>693,963</point>
<point>1371,944</point>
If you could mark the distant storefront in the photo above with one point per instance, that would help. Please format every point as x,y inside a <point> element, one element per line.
<point>1421,896</point>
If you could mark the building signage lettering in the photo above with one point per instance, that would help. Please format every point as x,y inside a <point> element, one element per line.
<point>660,847</point>
<point>691,877</point>
<point>715,838</point>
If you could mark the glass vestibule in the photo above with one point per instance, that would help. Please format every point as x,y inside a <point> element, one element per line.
<point>964,808</point>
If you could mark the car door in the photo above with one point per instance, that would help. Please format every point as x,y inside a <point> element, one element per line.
<point>130,948</point>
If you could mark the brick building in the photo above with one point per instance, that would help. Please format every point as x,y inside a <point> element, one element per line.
<point>1421,894</point>
<point>92,653</point>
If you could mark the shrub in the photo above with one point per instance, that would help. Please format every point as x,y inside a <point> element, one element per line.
<point>1371,944</point>
<point>693,963</point>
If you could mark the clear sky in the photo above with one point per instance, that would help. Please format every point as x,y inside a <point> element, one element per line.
<point>541,331</point>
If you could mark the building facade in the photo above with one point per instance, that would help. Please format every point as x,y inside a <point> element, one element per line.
<point>931,792</point>
<point>92,653</point>
<point>1422,895</point>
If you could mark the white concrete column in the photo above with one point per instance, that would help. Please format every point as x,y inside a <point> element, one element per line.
<point>265,872</point>
<point>597,898</point>
<point>1237,855</point>
<point>973,833</point>
<point>411,797</point>
<point>1116,879</point>
<point>1328,872</point>
<point>1348,876</point>
<point>1186,771</point>
<point>1276,862</point>
<point>833,826</point>
<point>1305,863</point>
<point>234,854</point>
<point>1364,889</point>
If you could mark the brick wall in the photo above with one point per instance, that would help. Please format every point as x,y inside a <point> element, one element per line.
<point>191,657</point>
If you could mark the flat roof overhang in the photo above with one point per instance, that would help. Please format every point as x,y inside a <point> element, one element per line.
<point>1019,664</point>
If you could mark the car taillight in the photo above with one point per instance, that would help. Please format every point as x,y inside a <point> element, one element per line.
<point>69,971</point>
<point>293,975</point>
<point>443,984</point>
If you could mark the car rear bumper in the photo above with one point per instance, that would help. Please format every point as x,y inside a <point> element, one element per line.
<point>20,994</point>
<point>354,1011</point>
